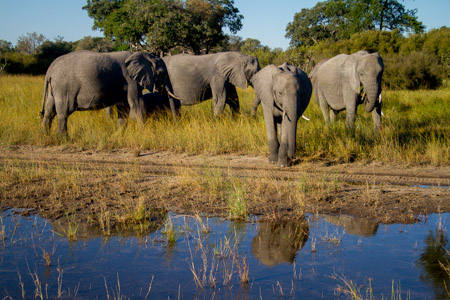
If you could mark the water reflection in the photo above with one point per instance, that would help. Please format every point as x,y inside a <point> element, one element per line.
<point>74,226</point>
<point>220,253</point>
<point>277,243</point>
<point>353,225</point>
<point>435,262</point>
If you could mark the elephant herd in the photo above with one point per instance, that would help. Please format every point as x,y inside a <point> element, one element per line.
<point>85,80</point>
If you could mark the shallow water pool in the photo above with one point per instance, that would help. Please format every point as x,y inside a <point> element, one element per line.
<point>198,257</point>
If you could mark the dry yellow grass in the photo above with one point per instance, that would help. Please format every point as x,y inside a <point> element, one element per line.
<point>416,128</point>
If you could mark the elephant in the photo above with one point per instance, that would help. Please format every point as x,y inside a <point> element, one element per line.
<point>353,225</point>
<point>345,81</point>
<point>198,78</point>
<point>153,103</point>
<point>278,243</point>
<point>85,80</point>
<point>284,92</point>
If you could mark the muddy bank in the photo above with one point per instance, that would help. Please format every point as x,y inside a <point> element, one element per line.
<point>112,187</point>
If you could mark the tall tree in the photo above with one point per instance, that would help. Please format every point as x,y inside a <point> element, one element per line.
<point>338,19</point>
<point>30,43</point>
<point>161,25</point>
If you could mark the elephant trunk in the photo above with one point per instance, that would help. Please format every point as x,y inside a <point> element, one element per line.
<point>289,129</point>
<point>292,134</point>
<point>372,93</point>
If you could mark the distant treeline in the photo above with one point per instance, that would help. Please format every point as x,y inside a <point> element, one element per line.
<point>419,61</point>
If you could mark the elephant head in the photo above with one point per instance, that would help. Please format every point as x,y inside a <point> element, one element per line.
<point>237,68</point>
<point>364,72</point>
<point>150,73</point>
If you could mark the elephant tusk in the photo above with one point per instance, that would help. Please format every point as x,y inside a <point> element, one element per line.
<point>379,98</point>
<point>173,96</point>
<point>303,116</point>
<point>284,114</point>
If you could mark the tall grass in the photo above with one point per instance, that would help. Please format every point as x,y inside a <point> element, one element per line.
<point>416,128</point>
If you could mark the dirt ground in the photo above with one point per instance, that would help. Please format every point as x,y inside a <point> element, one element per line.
<point>42,180</point>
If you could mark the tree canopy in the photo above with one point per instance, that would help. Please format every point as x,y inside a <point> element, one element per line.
<point>162,25</point>
<point>339,19</point>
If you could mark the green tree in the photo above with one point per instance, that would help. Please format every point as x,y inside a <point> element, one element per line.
<point>161,25</point>
<point>339,19</point>
<point>6,46</point>
<point>96,44</point>
<point>30,43</point>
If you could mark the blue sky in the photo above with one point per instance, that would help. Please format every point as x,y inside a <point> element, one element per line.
<point>264,20</point>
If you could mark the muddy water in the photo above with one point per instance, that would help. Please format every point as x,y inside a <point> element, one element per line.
<point>187,257</point>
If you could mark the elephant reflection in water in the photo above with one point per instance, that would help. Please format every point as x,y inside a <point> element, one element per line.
<point>278,243</point>
<point>353,225</point>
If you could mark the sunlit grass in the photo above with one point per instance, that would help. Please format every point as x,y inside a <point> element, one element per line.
<point>416,128</point>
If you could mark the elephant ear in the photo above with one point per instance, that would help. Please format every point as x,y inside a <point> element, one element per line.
<point>231,68</point>
<point>141,67</point>
<point>349,68</point>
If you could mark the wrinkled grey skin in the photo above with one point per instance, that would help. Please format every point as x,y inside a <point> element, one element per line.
<point>85,80</point>
<point>313,77</point>
<point>198,78</point>
<point>339,82</point>
<point>153,103</point>
<point>284,92</point>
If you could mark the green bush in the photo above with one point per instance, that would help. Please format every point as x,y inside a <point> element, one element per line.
<point>417,70</point>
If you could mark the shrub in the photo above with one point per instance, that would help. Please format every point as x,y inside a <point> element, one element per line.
<point>413,71</point>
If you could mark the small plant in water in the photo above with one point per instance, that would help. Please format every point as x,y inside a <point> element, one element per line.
<point>72,227</point>
<point>170,232</point>
<point>242,270</point>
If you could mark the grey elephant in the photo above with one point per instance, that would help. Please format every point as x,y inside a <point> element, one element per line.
<point>345,81</point>
<point>198,78</point>
<point>85,80</point>
<point>284,92</point>
<point>278,243</point>
<point>153,103</point>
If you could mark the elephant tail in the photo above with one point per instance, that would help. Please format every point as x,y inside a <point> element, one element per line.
<point>44,97</point>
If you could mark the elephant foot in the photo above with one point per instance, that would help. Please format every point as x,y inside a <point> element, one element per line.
<point>284,162</point>
<point>273,158</point>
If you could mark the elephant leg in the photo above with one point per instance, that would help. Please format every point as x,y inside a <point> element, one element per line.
<point>271,134</point>
<point>351,108</point>
<point>123,111</point>
<point>255,104</point>
<point>324,107</point>
<point>62,125</point>
<point>232,99</point>
<point>333,114</point>
<point>219,95</point>
<point>135,102</point>
<point>49,113</point>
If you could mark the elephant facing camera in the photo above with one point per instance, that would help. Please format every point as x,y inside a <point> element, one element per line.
<point>284,92</point>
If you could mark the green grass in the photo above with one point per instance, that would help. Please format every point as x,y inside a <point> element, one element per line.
<point>416,128</point>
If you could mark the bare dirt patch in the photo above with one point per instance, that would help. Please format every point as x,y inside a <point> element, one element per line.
<point>57,181</point>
